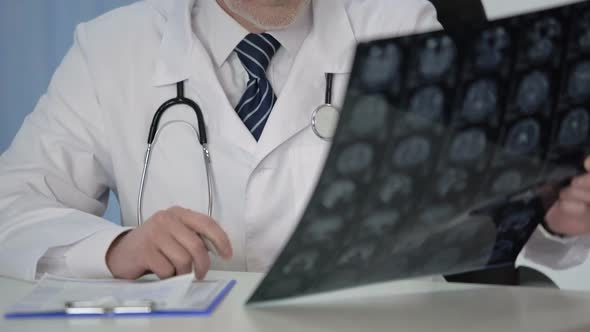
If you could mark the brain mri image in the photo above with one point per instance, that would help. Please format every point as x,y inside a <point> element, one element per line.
<point>523,137</point>
<point>533,92</point>
<point>426,107</point>
<point>380,222</point>
<point>481,100</point>
<point>304,262</point>
<point>436,56</point>
<point>452,180</point>
<point>411,152</point>
<point>408,243</point>
<point>355,158</point>
<point>381,66</point>
<point>574,128</point>
<point>341,191</point>
<point>543,38</point>
<point>369,113</point>
<point>490,47</point>
<point>434,214</point>
<point>508,181</point>
<point>357,255</point>
<point>583,26</point>
<point>579,81</point>
<point>324,229</point>
<point>468,146</point>
<point>394,186</point>
<point>450,143</point>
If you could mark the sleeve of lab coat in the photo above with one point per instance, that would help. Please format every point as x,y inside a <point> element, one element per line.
<point>564,261</point>
<point>404,17</point>
<point>426,19</point>
<point>56,175</point>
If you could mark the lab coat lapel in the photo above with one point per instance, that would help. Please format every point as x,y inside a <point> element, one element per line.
<point>223,123</point>
<point>329,48</point>
<point>176,49</point>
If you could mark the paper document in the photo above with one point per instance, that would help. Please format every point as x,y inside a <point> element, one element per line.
<point>176,294</point>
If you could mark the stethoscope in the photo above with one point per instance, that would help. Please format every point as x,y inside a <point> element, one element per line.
<point>323,123</point>
<point>154,135</point>
<point>324,118</point>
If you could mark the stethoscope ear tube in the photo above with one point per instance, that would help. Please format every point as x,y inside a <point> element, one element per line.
<point>178,100</point>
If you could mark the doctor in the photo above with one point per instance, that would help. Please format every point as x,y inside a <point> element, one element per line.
<point>87,136</point>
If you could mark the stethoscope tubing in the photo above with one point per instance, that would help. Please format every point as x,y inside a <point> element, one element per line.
<point>154,134</point>
<point>146,164</point>
<point>201,134</point>
<point>180,99</point>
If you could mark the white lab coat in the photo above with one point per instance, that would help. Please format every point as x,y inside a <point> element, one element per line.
<point>88,133</point>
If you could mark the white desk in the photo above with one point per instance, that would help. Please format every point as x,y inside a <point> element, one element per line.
<point>404,306</point>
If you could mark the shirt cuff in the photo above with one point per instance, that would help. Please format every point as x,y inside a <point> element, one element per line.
<point>556,238</point>
<point>87,258</point>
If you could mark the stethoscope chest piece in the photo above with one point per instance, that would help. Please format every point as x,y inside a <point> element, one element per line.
<point>324,121</point>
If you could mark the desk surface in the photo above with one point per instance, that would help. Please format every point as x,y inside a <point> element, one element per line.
<point>401,306</point>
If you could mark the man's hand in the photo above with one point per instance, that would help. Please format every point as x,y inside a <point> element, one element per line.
<point>570,215</point>
<point>167,244</point>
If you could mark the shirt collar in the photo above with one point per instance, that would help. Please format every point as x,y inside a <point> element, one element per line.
<point>220,33</point>
<point>175,54</point>
<point>293,36</point>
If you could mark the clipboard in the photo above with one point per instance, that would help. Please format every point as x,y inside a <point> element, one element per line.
<point>119,308</point>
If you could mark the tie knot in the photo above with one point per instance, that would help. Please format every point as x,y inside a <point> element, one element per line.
<point>255,52</point>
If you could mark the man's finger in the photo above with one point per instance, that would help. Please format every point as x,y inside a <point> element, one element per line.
<point>202,262</point>
<point>561,221</point>
<point>575,195</point>
<point>180,258</point>
<point>581,181</point>
<point>207,227</point>
<point>587,164</point>
<point>193,244</point>
<point>160,265</point>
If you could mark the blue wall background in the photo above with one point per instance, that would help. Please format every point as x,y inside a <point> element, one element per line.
<point>34,37</point>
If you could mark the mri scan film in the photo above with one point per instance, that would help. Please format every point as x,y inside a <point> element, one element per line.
<point>472,134</point>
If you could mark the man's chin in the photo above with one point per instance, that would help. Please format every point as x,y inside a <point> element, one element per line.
<point>271,25</point>
<point>266,19</point>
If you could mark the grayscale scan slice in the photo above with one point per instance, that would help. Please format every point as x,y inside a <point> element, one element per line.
<point>450,149</point>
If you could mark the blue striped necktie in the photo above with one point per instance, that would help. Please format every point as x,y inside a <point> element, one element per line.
<point>255,52</point>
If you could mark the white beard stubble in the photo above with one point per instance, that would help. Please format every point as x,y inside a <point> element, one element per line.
<point>279,20</point>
